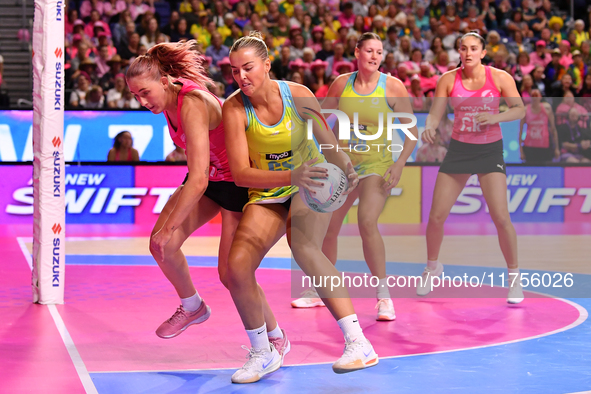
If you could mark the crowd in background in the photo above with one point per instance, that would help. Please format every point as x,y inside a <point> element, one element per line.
<point>312,42</point>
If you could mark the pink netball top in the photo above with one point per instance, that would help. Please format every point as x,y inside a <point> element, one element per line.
<point>537,135</point>
<point>469,103</point>
<point>219,170</point>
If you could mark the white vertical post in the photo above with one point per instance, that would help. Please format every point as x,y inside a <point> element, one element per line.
<point>48,162</point>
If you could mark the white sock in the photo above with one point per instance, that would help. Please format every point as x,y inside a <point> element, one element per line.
<point>258,338</point>
<point>276,333</point>
<point>432,264</point>
<point>382,290</point>
<point>512,278</point>
<point>350,326</point>
<point>192,303</point>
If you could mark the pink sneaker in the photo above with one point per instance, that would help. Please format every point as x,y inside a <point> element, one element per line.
<point>309,299</point>
<point>181,320</point>
<point>281,344</point>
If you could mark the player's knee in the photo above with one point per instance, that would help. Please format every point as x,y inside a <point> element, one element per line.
<point>238,271</point>
<point>437,218</point>
<point>367,226</point>
<point>501,220</point>
<point>224,278</point>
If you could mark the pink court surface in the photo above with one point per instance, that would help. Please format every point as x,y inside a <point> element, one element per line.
<point>102,339</point>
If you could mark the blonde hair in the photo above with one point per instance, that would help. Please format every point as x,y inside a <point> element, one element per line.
<point>253,40</point>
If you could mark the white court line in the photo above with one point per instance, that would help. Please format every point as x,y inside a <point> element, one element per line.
<point>583,315</point>
<point>21,243</point>
<point>66,338</point>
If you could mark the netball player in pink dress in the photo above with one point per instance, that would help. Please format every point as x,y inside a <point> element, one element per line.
<point>171,79</point>
<point>476,147</point>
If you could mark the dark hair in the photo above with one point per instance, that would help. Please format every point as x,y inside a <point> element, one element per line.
<point>366,37</point>
<point>117,143</point>
<point>472,34</point>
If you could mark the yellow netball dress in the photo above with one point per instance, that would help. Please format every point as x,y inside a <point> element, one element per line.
<point>281,147</point>
<point>372,156</point>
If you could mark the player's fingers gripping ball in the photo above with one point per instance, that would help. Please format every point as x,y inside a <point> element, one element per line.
<point>330,196</point>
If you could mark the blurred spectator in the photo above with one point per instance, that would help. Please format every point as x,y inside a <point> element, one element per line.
<point>319,78</point>
<point>557,35</point>
<point>347,17</point>
<point>128,101</point>
<point>526,88</point>
<point>432,153</point>
<point>95,98</point>
<point>538,23</point>
<point>337,57</point>
<point>553,73</point>
<point>327,50</point>
<point>421,18</point>
<point>323,90</point>
<point>418,41</point>
<point>101,61</point>
<point>181,31</point>
<point>566,58</point>
<point>575,142</point>
<point>131,49</point>
<point>495,46</point>
<point>434,50</point>
<point>523,67</point>
<point>119,29</point>
<point>391,42</point>
<point>450,19</point>
<point>122,149</point>
<point>108,80</point>
<point>280,66</point>
<point>580,34</point>
<point>577,70</point>
<point>403,52</point>
<point>138,7</point>
<point>297,46</point>
<point>539,81</point>
<point>116,93</point>
<point>216,50</point>
<point>178,155</point>
<point>88,6</point>
<point>69,22</point>
<point>568,103</point>
<point>428,78</point>
<point>153,35</point>
<point>96,25</point>
<point>519,44</point>
<point>563,86</point>
<point>112,8</point>
<point>89,67</point>
<point>540,57</point>
<point>297,77</point>
<point>171,25</point>
<point>442,63</point>
<point>235,34</point>
<point>418,99</point>
<point>474,22</point>
<point>585,93</point>
<point>78,96</point>
<point>389,66</point>
<point>541,142</point>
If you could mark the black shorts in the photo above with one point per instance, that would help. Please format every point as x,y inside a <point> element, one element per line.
<point>538,155</point>
<point>465,158</point>
<point>226,194</point>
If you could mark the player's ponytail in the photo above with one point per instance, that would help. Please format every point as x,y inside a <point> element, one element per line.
<point>177,60</point>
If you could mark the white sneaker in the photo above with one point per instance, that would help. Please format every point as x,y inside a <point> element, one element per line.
<point>309,299</point>
<point>385,308</point>
<point>259,364</point>
<point>358,354</point>
<point>515,293</point>
<point>425,286</point>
